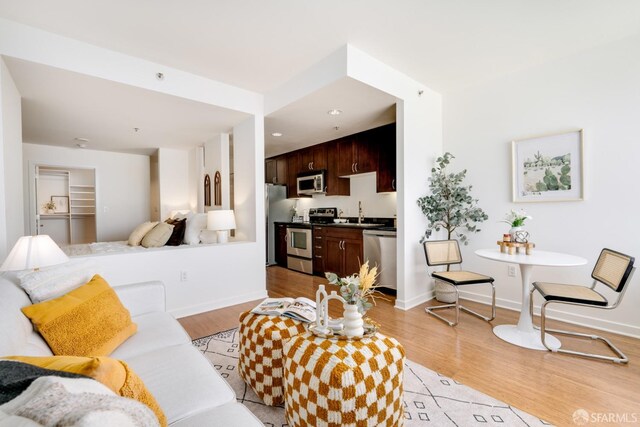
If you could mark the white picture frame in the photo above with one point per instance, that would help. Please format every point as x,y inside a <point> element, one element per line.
<point>548,168</point>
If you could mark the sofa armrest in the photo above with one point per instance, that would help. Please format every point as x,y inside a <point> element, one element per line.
<point>142,298</point>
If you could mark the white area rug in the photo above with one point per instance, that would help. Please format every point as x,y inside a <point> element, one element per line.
<point>430,399</point>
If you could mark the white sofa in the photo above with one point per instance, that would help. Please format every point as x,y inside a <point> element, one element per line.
<point>186,386</point>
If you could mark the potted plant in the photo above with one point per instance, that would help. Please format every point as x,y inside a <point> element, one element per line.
<point>516,220</point>
<point>449,206</point>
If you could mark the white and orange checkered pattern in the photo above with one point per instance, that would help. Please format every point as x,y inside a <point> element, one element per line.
<point>343,383</point>
<point>261,359</point>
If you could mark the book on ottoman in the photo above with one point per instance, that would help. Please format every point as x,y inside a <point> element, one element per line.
<point>301,308</point>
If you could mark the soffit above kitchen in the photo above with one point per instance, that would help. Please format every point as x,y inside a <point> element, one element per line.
<point>307,121</point>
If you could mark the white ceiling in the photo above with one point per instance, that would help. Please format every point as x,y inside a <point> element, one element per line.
<point>307,122</point>
<point>60,105</point>
<point>259,45</point>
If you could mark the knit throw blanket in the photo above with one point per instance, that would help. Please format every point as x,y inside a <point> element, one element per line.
<point>59,401</point>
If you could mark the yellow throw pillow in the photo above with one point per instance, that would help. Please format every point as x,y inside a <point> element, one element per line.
<point>113,373</point>
<point>88,321</point>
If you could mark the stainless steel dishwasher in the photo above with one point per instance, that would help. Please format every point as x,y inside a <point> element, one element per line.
<point>380,249</point>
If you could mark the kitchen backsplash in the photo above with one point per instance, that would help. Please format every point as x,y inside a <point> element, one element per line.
<point>363,188</point>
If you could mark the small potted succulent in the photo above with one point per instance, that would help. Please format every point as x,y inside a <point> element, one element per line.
<point>49,207</point>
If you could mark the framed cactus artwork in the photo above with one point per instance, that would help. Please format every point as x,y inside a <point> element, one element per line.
<point>548,168</point>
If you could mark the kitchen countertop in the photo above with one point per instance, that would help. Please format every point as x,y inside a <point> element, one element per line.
<point>367,226</point>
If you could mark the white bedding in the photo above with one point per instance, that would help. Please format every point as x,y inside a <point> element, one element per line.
<point>100,248</point>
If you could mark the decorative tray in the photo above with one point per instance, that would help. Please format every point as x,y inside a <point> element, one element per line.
<point>370,329</point>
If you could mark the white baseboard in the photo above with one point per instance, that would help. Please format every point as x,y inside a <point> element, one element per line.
<point>573,318</point>
<point>415,301</point>
<point>218,303</point>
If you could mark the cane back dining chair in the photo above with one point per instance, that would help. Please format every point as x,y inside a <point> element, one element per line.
<point>447,253</point>
<point>613,269</point>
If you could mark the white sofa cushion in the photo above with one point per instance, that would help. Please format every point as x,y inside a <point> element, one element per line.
<point>232,414</point>
<point>155,331</point>
<point>15,327</point>
<point>183,382</point>
<point>142,298</point>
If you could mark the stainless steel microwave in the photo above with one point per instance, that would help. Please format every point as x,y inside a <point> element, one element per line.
<point>312,183</point>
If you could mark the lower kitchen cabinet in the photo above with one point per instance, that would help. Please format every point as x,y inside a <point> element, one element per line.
<point>343,250</point>
<point>319,253</point>
<point>281,245</point>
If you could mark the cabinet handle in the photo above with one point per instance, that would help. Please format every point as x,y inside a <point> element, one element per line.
<point>311,166</point>
<point>353,167</point>
<point>393,183</point>
<point>318,256</point>
<point>356,166</point>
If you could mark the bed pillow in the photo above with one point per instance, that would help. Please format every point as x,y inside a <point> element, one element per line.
<point>88,321</point>
<point>158,236</point>
<point>113,373</point>
<point>208,236</point>
<point>195,224</point>
<point>136,236</point>
<point>179,227</point>
<point>52,282</point>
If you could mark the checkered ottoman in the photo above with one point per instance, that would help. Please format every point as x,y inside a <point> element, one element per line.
<point>261,360</point>
<point>343,383</point>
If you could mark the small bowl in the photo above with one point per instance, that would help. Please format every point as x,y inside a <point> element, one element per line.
<point>340,221</point>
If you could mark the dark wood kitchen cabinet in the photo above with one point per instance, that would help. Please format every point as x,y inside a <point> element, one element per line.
<point>292,174</point>
<point>343,250</point>
<point>281,245</point>
<point>318,236</point>
<point>313,158</point>
<point>357,154</point>
<point>275,170</point>
<point>336,186</point>
<point>386,142</point>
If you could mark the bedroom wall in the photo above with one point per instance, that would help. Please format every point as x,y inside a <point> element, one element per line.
<point>173,174</point>
<point>12,224</point>
<point>597,90</point>
<point>122,184</point>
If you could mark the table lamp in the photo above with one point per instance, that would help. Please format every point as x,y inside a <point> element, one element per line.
<point>33,252</point>
<point>221,221</point>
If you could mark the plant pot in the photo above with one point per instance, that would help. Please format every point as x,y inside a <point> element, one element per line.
<point>353,323</point>
<point>513,232</point>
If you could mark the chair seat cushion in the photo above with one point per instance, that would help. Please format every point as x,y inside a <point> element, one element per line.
<point>461,277</point>
<point>569,293</point>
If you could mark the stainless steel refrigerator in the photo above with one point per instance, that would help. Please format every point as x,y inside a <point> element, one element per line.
<point>277,208</point>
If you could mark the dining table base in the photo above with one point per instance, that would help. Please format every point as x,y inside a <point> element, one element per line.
<point>531,339</point>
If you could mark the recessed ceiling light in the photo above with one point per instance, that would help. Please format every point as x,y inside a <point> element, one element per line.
<point>276,134</point>
<point>334,112</point>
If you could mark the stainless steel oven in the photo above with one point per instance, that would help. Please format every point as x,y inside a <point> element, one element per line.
<point>299,249</point>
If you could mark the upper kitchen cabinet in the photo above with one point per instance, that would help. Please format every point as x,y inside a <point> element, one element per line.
<point>313,158</point>
<point>357,154</point>
<point>336,186</point>
<point>293,166</point>
<point>275,170</point>
<point>386,141</point>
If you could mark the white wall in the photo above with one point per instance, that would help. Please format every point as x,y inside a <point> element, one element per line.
<point>122,184</point>
<point>12,224</point>
<point>363,188</point>
<point>173,174</point>
<point>597,90</point>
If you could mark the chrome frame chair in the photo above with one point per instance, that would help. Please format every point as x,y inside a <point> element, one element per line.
<point>613,269</point>
<point>447,252</point>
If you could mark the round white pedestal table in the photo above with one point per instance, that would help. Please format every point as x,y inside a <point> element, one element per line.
<point>523,334</point>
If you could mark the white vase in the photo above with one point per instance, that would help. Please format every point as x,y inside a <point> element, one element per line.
<point>513,231</point>
<point>353,323</point>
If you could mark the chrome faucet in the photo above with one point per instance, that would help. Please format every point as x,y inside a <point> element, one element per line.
<point>360,215</point>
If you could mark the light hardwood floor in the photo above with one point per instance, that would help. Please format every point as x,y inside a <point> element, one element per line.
<point>547,385</point>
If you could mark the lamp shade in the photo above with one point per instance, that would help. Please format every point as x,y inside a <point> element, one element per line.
<point>32,252</point>
<point>221,220</point>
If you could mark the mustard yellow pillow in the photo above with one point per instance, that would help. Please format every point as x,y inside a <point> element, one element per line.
<point>88,321</point>
<point>113,373</point>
